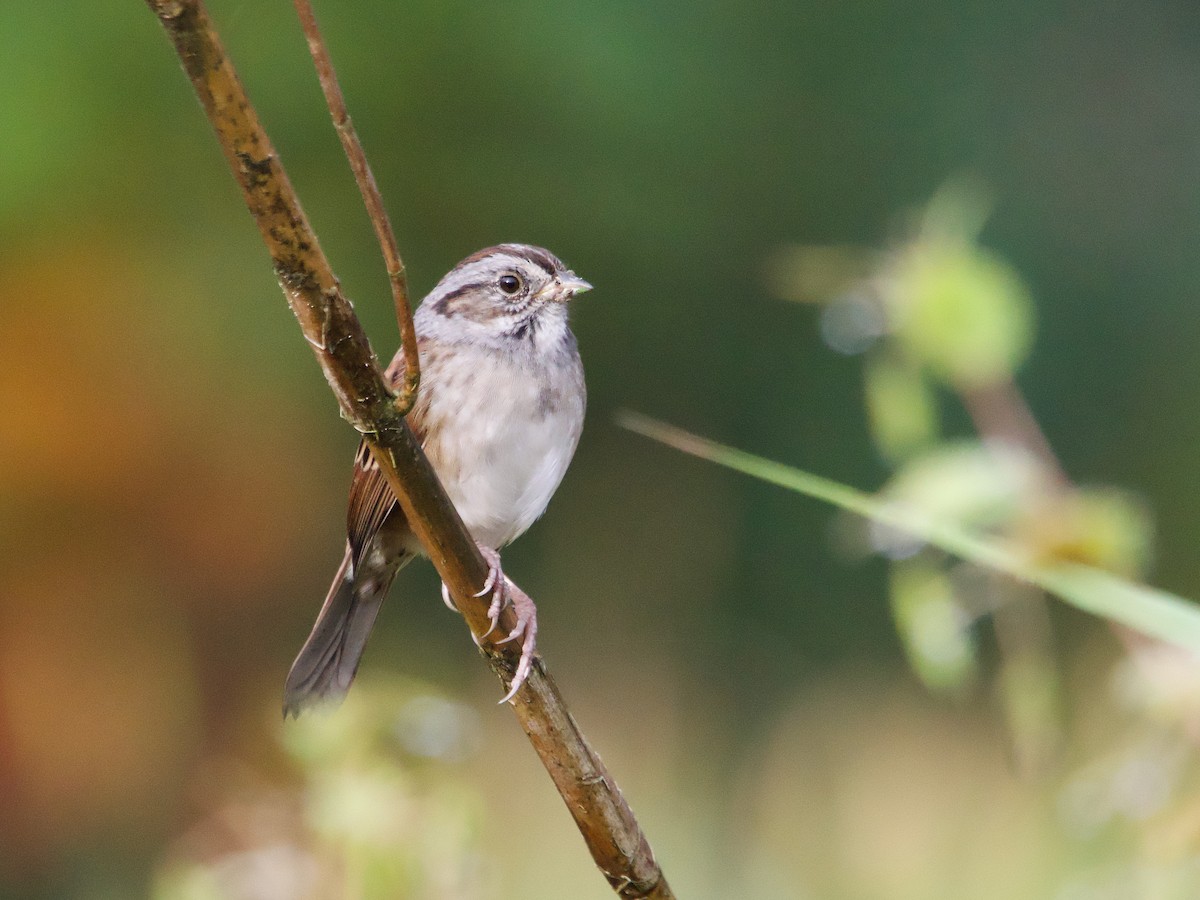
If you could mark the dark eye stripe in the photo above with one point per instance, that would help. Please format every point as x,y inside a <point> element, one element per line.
<point>442,305</point>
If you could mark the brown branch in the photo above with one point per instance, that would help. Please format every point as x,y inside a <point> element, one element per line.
<point>608,825</point>
<point>371,199</point>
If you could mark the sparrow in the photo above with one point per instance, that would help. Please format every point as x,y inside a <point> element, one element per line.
<point>498,413</point>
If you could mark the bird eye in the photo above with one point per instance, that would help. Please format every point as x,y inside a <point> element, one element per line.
<point>510,284</point>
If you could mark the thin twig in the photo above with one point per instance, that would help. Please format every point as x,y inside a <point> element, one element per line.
<point>326,318</point>
<point>371,199</point>
<point>999,412</point>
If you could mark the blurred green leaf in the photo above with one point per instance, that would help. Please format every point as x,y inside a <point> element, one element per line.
<point>957,211</point>
<point>381,795</point>
<point>1028,687</point>
<point>962,312</point>
<point>932,624</point>
<point>367,804</point>
<point>966,483</point>
<point>900,404</point>
<point>1151,611</point>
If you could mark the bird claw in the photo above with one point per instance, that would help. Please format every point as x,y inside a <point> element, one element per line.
<point>526,630</point>
<point>493,568</point>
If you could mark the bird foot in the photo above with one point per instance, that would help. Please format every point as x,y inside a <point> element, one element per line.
<point>505,593</point>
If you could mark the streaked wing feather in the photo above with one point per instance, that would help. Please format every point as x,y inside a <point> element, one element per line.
<point>371,500</point>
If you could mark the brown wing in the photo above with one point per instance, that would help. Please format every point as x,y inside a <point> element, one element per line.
<point>371,500</point>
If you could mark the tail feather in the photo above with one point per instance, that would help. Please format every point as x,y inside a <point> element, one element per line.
<point>327,662</point>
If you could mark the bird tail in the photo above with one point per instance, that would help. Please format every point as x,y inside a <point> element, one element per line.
<point>327,662</point>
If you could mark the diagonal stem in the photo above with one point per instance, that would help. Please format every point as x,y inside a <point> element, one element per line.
<point>372,199</point>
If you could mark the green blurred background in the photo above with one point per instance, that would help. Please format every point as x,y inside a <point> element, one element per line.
<point>173,468</point>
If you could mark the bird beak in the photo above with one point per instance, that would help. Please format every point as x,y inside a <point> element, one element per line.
<point>570,285</point>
